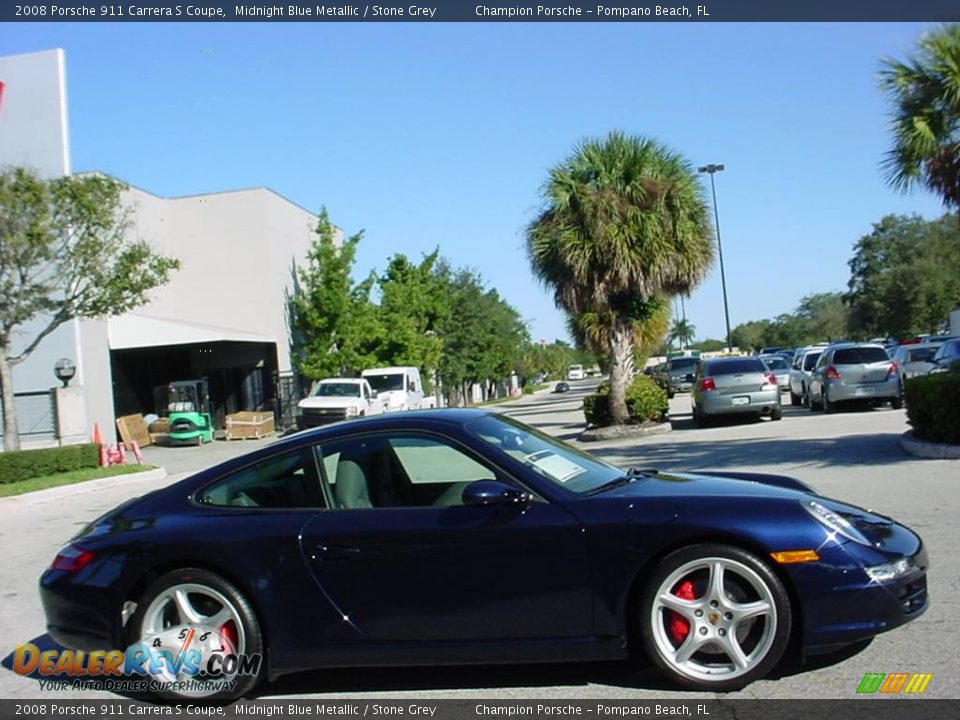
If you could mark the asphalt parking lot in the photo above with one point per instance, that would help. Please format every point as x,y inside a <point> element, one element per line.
<point>853,456</point>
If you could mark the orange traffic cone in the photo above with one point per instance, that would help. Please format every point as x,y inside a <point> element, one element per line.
<point>97,440</point>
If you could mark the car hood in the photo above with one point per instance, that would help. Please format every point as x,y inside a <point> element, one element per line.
<point>328,402</point>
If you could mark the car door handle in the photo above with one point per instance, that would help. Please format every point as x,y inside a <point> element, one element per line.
<point>335,552</point>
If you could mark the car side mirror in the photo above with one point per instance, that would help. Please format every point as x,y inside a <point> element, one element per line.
<point>373,394</point>
<point>493,492</point>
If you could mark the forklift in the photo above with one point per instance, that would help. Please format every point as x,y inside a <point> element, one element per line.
<point>186,405</point>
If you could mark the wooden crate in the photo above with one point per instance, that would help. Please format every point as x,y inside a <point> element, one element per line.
<point>249,425</point>
<point>132,428</point>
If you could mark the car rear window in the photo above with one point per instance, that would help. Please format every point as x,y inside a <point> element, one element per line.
<point>776,363</point>
<point>859,355</point>
<point>921,354</point>
<point>735,367</point>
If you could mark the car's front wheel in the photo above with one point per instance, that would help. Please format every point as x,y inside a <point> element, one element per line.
<point>714,617</point>
<point>201,636</point>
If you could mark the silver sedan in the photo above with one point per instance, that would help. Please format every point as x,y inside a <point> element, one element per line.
<point>735,386</point>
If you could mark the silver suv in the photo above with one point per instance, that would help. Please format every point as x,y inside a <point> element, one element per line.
<point>854,371</point>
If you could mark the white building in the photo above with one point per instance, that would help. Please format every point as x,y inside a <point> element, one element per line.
<point>222,316</point>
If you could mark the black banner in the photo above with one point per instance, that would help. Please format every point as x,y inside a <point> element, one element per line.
<point>410,709</point>
<point>485,11</point>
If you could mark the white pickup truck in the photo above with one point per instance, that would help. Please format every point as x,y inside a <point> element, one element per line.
<point>336,399</point>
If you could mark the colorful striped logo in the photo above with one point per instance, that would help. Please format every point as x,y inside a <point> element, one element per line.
<point>894,683</point>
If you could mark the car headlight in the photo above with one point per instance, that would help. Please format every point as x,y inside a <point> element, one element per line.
<point>892,571</point>
<point>353,411</point>
<point>834,521</point>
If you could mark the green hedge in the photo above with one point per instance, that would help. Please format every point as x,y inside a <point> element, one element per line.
<point>25,464</point>
<point>933,406</point>
<point>646,401</point>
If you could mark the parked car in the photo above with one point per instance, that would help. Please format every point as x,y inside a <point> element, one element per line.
<point>779,366</point>
<point>803,364</point>
<point>852,371</point>
<point>947,355</point>
<point>336,399</point>
<point>770,350</point>
<point>576,372</point>
<point>399,387</point>
<point>677,375</point>
<point>735,386</point>
<point>561,387</point>
<point>915,359</point>
<point>302,554</point>
<point>788,355</point>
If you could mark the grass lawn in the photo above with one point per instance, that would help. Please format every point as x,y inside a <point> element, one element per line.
<point>68,478</point>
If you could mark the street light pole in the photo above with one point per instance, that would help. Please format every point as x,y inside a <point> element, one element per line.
<point>711,169</point>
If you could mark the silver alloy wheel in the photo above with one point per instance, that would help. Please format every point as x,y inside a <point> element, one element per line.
<point>198,606</point>
<point>725,639</point>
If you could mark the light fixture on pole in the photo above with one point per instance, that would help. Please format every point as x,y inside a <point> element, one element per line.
<point>64,370</point>
<point>711,169</point>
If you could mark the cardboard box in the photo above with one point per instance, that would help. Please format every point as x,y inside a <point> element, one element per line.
<point>249,425</point>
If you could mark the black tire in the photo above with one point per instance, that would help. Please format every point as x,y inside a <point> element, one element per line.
<point>828,407</point>
<point>254,643</point>
<point>670,395</point>
<point>897,402</point>
<point>778,632</point>
<point>699,419</point>
<point>777,414</point>
<point>794,399</point>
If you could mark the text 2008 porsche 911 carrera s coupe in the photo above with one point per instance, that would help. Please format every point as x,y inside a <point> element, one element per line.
<point>460,537</point>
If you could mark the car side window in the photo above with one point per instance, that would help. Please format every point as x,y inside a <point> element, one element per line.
<point>398,470</point>
<point>286,481</point>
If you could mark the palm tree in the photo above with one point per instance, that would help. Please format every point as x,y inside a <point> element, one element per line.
<point>590,330</point>
<point>624,221</point>
<point>925,91</point>
<point>683,332</point>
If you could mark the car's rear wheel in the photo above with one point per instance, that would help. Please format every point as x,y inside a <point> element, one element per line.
<point>714,617</point>
<point>777,414</point>
<point>828,407</point>
<point>794,399</point>
<point>897,402</point>
<point>223,624</point>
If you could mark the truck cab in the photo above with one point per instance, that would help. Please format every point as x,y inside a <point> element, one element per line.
<point>335,399</point>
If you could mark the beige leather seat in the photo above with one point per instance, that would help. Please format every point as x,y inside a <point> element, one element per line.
<point>350,490</point>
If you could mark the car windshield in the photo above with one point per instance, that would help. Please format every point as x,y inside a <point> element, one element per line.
<point>776,363</point>
<point>924,354</point>
<point>683,364</point>
<point>810,361</point>
<point>860,355</point>
<point>735,366</point>
<point>555,461</point>
<point>337,390</point>
<point>385,382</point>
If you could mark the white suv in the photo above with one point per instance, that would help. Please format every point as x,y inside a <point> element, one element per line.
<point>804,362</point>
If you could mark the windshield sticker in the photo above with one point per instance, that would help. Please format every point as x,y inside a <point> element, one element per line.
<point>556,466</point>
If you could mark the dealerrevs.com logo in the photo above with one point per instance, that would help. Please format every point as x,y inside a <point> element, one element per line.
<point>193,661</point>
<point>894,683</point>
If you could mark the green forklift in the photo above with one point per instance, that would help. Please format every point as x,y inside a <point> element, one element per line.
<point>186,405</point>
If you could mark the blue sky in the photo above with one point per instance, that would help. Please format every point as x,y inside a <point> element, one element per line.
<point>427,135</point>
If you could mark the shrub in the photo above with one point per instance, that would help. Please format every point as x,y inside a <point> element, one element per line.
<point>25,464</point>
<point>933,406</point>
<point>646,401</point>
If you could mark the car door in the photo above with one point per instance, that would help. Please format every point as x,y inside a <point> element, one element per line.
<point>402,559</point>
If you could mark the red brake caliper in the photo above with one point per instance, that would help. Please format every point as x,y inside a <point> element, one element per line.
<point>679,625</point>
<point>228,631</point>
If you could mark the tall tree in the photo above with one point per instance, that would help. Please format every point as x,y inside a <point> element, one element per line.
<point>925,92</point>
<point>66,251</point>
<point>905,276</point>
<point>625,220</point>
<point>334,328</point>
<point>682,332</point>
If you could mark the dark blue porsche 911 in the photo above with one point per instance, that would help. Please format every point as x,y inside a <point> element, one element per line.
<point>462,536</point>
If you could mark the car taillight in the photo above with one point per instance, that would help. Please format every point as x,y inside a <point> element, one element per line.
<point>707,384</point>
<point>831,372</point>
<point>771,379</point>
<point>892,370</point>
<point>71,558</point>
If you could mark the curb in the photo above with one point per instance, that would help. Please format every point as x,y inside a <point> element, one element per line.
<point>38,497</point>
<point>930,450</point>
<point>617,432</point>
